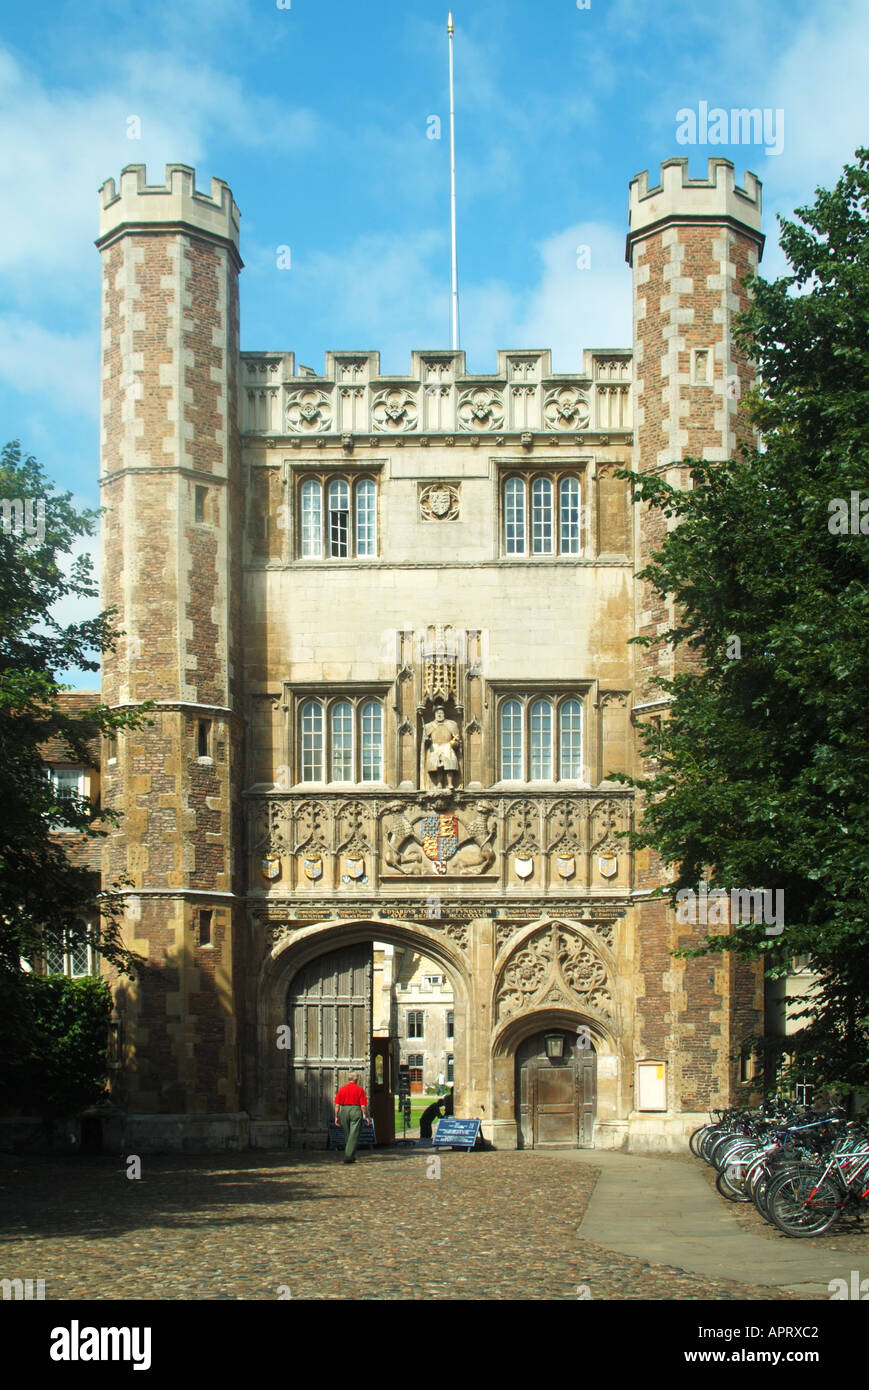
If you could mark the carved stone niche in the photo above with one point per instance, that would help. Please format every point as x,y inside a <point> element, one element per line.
<point>440,660</point>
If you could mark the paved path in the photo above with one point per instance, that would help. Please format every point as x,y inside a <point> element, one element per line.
<point>664,1210</point>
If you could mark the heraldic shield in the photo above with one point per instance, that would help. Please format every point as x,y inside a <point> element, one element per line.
<point>439,839</point>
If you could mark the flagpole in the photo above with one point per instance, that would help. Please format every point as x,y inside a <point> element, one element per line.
<point>455,273</point>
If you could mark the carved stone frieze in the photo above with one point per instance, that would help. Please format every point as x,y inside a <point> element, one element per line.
<point>437,402</point>
<point>280,934</point>
<point>394,410</point>
<point>308,411</point>
<point>523,821</point>
<point>565,824</point>
<point>558,966</point>
<point>503,933</point>
<point>457,932</point>
<point>270,832</point>
<point>608,818</point>
<point>312,827</point>
<point>584,971</point>
<point>565,409</point>
<point>481,409</point>
<point>449,844</point>
<point>447,832</point>
<point>353,820</point>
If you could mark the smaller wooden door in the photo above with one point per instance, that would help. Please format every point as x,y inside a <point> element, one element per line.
<point>556,1098</point>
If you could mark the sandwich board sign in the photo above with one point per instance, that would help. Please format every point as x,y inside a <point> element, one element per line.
<point>456,1134</point>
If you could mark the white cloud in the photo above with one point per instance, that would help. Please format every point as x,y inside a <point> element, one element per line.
<point>572,308</point>
<point>37,360</point>
<point>580,299</point>
<point>824,94</point>
<point>58,146</point>
<point>393,294</point>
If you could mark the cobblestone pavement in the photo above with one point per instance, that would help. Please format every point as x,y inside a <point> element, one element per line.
<point>307,1226</point>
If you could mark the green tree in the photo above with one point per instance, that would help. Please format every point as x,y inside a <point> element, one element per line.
<point>45,898</point>
<point>58,1065</point>
<point>763,773</point>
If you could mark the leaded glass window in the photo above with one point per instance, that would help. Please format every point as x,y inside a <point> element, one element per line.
<point>569,517</point>
<point>570,740</point>
<point>342,741</point>
<point>312,519</point>
<point>511,741</point>
<point>541,741</point>
<point>371,717</point>
<point>312,741</point>
<point>366,517</point>
<point>339,518</point>
<point>541,517</point>
<point>514,516</point>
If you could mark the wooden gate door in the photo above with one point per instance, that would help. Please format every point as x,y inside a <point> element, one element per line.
<point>556,1099</point>
<point>329,1013</point>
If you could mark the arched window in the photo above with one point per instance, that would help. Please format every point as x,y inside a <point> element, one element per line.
<point>541,516</point>
<point>341,721</point>
<point>570,741</point>
<point>354,750</point>
<point>347,528</point>
<point>371,719</point>
<point>312,519</point>
<point>366,517</point>
<point>511,741</point>
<point>569,517</point>
<point>311,718</point>
<point>339,518</point>
<point>541,741</point>
<point>514,516</point>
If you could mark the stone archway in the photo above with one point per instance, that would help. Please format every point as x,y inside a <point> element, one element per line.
<point>558,975</point>
<point>296,950</point>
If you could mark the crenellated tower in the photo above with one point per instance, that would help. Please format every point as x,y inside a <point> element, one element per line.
<point>171,566</point>
<point>691,243</point>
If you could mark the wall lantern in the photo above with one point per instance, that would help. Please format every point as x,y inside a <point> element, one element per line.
<point>554,1046</point>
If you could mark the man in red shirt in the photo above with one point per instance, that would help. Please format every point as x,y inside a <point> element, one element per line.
<point>351,1103</point>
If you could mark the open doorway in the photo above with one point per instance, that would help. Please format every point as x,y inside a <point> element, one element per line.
<point>370,1007</point>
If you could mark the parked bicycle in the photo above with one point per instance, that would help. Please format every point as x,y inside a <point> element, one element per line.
<point>803,1172</point>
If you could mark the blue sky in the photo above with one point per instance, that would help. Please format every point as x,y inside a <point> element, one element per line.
<point>317,116</point>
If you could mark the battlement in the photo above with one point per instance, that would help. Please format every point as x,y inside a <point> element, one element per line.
<point>280,397</point>
<point>175,204</point>
<point>678,197</point>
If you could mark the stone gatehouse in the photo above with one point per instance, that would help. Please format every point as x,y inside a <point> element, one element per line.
<point>385,622</point>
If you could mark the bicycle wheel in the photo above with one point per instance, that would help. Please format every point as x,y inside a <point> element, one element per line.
<point>730,1186</point>
<point>802,1203</point>
<point>696,1138</point>
<point>761,1186</point>
<point>709,1139</point>
<point>729,1145</point>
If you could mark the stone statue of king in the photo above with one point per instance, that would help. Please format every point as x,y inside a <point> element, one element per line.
<point>441,743</point>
